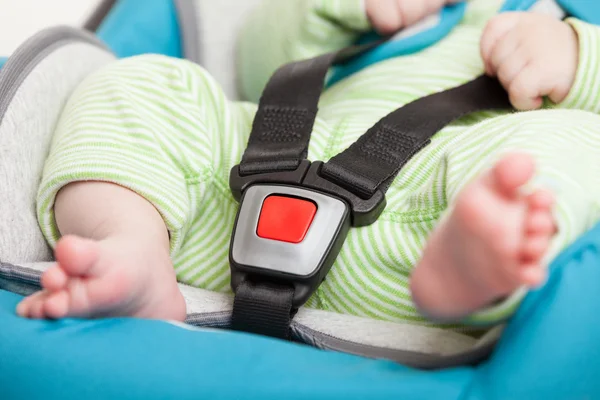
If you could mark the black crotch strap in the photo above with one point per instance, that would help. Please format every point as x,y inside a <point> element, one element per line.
<point>263,308</point>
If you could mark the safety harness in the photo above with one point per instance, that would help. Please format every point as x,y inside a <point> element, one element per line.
<point>295,214</point>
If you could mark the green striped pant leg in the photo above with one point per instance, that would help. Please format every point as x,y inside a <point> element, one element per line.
<point>163,128</point>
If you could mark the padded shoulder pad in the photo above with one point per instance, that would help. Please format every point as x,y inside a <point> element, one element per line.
<point>35,83</point>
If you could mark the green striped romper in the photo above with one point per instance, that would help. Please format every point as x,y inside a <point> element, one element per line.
<point>163,128</point>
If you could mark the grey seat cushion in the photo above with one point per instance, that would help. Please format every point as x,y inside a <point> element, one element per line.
<point>35,83</point>
<point>219,23</point>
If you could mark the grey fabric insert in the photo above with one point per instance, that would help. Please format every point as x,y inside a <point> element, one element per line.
<point>413,359</point>
<point>24,289</point>
<point>19,273</point>
<point>217,314</point>
<point>31,53</point>
<point>221,320</point>
<point>19,280</point>
<point>323,341</point>
<point>190,31</point>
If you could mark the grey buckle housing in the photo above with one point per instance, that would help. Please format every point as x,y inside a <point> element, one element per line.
<point>303,264</point>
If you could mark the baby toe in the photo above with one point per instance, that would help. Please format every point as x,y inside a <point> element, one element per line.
<point>24,306</point>
<point>540,200</point>
<point>57,305</point>
<point>77,256</point>
<point>36,310</point>
<point>54,279</point>
<point>535,247</point>
<point>532,275</point>
<point>540,223</point>
<point>512,172</point>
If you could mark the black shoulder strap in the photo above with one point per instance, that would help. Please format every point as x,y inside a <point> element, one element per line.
<point>372,162</point>
<point>286,113</point>
<point>285,117</point>
<point>287,109</point>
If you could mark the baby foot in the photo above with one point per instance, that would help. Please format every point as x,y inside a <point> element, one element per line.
<point>113,277</point>
<point>492,243</point>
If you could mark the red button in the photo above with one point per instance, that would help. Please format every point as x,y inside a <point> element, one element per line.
<point>285,219</point>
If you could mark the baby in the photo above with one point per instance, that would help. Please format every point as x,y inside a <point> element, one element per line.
<point>135,195</point>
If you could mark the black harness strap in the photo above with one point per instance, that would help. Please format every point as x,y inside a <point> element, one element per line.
<point>263,308</point>
<point>286,113</point>
<point>372,162</point>
<point>285,117</point>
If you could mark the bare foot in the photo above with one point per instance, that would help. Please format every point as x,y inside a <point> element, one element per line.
<point>118,276</point>
<point>492,243</point>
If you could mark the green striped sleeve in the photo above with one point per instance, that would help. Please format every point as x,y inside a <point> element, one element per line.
<point>278,32</point>
<point>348,14</point>
<point>585,93</point>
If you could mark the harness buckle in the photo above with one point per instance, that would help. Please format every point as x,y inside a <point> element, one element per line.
<point>287,234</point>
<point>364,211</point>
<point>291,226</point>
<point>239,182</point>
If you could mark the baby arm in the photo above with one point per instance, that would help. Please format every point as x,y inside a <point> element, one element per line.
<point>534,56</point>
<point>279,31</point>
<point>389,16</point>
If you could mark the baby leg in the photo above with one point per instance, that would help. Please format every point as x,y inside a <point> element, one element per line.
<point>137,165</point>
<point>497,237</point>
<point>113,258</point>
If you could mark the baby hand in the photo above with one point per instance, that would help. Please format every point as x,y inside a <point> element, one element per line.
<point>532,55</point>
<point>389,16</point>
